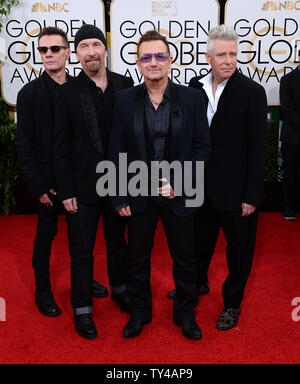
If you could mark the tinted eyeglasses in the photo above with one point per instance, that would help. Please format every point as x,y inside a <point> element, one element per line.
<point>159,56</point>
<point>53,49</point>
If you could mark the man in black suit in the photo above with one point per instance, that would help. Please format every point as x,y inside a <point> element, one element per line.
<point>154,122</point>
<point>237,114</point>
<point>290,138</point>
<point>234,176</point>
<point>35,145</point>
<point>83,113</point>
<point>35,113</point>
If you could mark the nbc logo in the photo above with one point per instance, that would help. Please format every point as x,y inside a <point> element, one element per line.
<point>278,6</point>
<point>53,7</point>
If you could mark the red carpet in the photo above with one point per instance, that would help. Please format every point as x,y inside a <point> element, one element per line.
<point>266,332</point>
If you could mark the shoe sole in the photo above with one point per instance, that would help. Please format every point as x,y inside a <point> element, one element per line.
<point>227,328</point>
<point>171,297</point>
<point>187,336</point>
<point>129,337</point>
<point>85,336</point>
<point>203,292</point>
<point>49,314</point>
<point>100,295</point>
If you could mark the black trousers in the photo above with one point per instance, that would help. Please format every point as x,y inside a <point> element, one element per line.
<point>291,163</point>
<point>46,230</point>
<point>82,231</point>
<point>179,232</point>
<point>240,235</point>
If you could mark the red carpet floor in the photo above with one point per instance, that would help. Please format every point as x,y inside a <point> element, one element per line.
<point>266,332</point>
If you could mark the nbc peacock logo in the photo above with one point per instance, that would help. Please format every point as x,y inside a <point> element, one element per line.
<point>281,5</point>
<point>50,7</point>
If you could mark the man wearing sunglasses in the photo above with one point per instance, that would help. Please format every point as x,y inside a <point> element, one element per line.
<point>83,114</point>
<point>154,122</point>
<point>35,113</point>
<point>35,146</point>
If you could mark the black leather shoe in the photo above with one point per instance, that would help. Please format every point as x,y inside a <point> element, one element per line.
<point>289,214</point>
<point>99,290</point>
<point>85,326</point>
<point>122,299</point>
<point>202,289</point>
<point>190,328</point>
<point>46,304</point>
<point>228,318</point>
<point>135,325</point>
<point>171,294</point>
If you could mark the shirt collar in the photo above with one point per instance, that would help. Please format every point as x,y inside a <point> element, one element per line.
<point>90,81</point>
<point>167,93</point>
<point>51,84</point>
<point>207,81</point>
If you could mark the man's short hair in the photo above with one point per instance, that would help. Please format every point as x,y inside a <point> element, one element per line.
<point>221,32</point>
<point>150,36</point>
<point>46,31</point>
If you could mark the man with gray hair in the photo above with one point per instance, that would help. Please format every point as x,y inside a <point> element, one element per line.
<point>237,115</point>
<point>290,139</point>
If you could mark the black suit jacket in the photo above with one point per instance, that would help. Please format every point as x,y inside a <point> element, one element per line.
<point>35,136</point>
<point>235,170</point>
<point>290,106</point>
<point>188,137</point>
<point>78,146</point>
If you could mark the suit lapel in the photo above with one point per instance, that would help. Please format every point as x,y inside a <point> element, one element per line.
<point>175,129</point>
<point>200,86</point>
<point>224,99</point>
<point>44,101</point>
<point>90,114</point>
<point>116,83</point>
<point>139,122</point>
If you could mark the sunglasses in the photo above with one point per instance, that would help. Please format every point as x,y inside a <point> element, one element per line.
<point>53,49</point>
<point>159,56</point>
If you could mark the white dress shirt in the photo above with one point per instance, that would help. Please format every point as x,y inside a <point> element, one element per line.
<point>213,101</point>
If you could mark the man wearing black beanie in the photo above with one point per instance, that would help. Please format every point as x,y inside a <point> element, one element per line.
<point>89,31</point>
<point>83,110</point>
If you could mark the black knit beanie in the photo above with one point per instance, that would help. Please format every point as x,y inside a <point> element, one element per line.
<point>89,31</point>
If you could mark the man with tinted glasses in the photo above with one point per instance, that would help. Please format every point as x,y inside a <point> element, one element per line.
<point>83,112</point>
<point>35,146</point>
<point>154,122</point>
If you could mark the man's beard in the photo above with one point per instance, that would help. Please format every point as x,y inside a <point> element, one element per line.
<point>94,64</point>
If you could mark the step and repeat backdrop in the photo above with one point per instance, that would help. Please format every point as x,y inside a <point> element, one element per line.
<point>269,40</point>
<point>21,60</point>
<point>268,47</point>
<point>185,24</point>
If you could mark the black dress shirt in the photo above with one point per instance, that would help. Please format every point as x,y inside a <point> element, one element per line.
<point>103,102</point>
<point>158,123</point>
<point>51,87</point>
